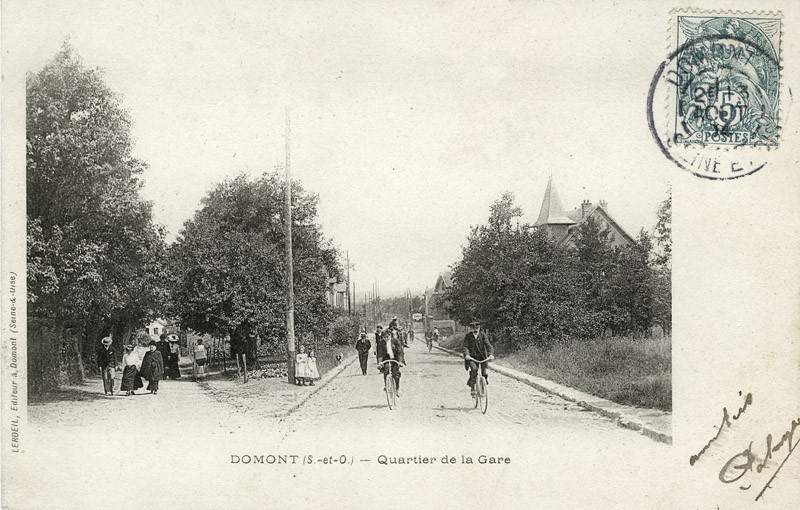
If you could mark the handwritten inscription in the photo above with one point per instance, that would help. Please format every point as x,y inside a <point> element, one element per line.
<point>747,461</point>
<point>726,422</point>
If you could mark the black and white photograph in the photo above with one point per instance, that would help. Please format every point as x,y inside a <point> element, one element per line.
<point>337,255</point>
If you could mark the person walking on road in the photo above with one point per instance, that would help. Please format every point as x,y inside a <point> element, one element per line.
<point>476,346</point>
<point>173,370</point>
<point>163,347</point>
<point>131,379</point>
<point>363,346</point>
<point>107,362</point>
<point>200,357</point>
<point>391,347</point>
<point>378,334</point>
<point>153,368</point>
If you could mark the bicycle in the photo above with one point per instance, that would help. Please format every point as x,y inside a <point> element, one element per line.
<point>389,384</point>
<point>480,396</point>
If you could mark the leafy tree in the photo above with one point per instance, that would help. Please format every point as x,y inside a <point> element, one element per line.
<point>664,230</point>
<point>95,255</point>
<point>230,263</point>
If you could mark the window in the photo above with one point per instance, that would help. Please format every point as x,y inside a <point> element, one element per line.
<point>155,331</point>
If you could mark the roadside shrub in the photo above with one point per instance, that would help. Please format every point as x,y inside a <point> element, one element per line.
<point>344,330</point>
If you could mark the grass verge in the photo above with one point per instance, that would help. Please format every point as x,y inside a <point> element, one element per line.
<point>626,370</point>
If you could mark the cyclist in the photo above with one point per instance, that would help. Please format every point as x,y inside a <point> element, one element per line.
<point>391,347</point>
<point>476,346</point>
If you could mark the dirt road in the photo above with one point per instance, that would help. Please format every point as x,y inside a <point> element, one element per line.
<point>196,451</point>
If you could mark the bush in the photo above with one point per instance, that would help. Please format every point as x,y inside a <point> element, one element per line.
<point>344,330</point>
<point>627,370</point>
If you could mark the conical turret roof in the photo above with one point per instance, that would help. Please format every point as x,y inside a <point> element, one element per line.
<point>552,212</point>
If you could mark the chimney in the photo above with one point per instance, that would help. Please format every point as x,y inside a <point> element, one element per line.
<point>604,205</point>
<point>586,206</point>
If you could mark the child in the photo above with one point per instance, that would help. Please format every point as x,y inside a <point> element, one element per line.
<point>200,356</point>
<point>302,371</point>
<point>313,372</point>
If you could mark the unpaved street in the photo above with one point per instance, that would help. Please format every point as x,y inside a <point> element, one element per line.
<point>542,447</point>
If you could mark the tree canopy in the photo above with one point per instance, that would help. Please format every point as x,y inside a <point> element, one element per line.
<point>230,266</point>
<point>525,289</point>
<point>94,252</point>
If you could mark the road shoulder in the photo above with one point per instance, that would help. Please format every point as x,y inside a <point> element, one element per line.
<point>653,423</point>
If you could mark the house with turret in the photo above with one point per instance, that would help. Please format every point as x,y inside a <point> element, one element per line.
<point>562,226</point>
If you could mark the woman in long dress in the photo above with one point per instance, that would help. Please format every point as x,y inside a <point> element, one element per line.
<point>153,368</point>
<point>173,369</point>
<point>131,380</point>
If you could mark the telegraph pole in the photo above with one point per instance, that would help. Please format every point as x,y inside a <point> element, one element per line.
<point>289,266</point>
<point>348,283</point>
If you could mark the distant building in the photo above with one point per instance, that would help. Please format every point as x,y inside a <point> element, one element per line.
<point>337,294</point>
<point>562,226</point>
<point>160,326</point>
<point>436,300</point>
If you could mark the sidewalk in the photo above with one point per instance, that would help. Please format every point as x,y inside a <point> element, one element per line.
<point>653,423</point>
<point>271,396</point>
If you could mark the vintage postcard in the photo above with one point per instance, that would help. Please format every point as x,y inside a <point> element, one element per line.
<point>500,254</point>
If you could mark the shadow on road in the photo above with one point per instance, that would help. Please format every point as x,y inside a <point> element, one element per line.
<point>459,409</point>
<point>373,406</point>
<point>87,391</point>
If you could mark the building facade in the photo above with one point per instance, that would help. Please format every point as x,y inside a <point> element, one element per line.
<point>562,226</point>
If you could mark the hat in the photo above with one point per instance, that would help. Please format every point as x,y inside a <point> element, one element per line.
<point>363,333</point>
<point>129,347</point>
<point>475,323</point>
<point>106,341</point>
<point>173,338</point>
<point>153,343</point>
<point>378,327</point>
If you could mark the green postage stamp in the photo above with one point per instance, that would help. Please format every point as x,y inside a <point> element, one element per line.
<point>728,80</point>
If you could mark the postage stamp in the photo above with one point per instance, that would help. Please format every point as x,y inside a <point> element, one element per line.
<point>728,74</point>
<point>714,105</point>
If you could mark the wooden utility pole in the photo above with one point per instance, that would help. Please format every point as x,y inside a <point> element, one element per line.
<point>348,283</point>
<point>289,266</point>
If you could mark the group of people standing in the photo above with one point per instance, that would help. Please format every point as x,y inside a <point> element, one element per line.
<point>159,362</point>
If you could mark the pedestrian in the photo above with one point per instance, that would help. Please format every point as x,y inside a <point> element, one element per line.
<point>200,357</point>
<point>301,370</point>
<point>131,379</point>
<point>378,333</point>
<point>163,347</point>
<point>363,346</point>
<point>313,371</point>
<point>107,362</point>
<point>173,369</point>
<point>153,368</point>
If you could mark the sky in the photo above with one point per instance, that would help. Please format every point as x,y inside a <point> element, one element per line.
<point>409,120</point>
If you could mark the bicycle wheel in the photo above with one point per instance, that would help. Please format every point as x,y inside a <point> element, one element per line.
<point>390,390</point>
<point>483,394</point>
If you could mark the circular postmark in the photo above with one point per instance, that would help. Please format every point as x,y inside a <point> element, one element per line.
<point>713,104</point>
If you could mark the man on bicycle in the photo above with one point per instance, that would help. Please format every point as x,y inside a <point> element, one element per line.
<point>477,347</point>
<point>391,347</point>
